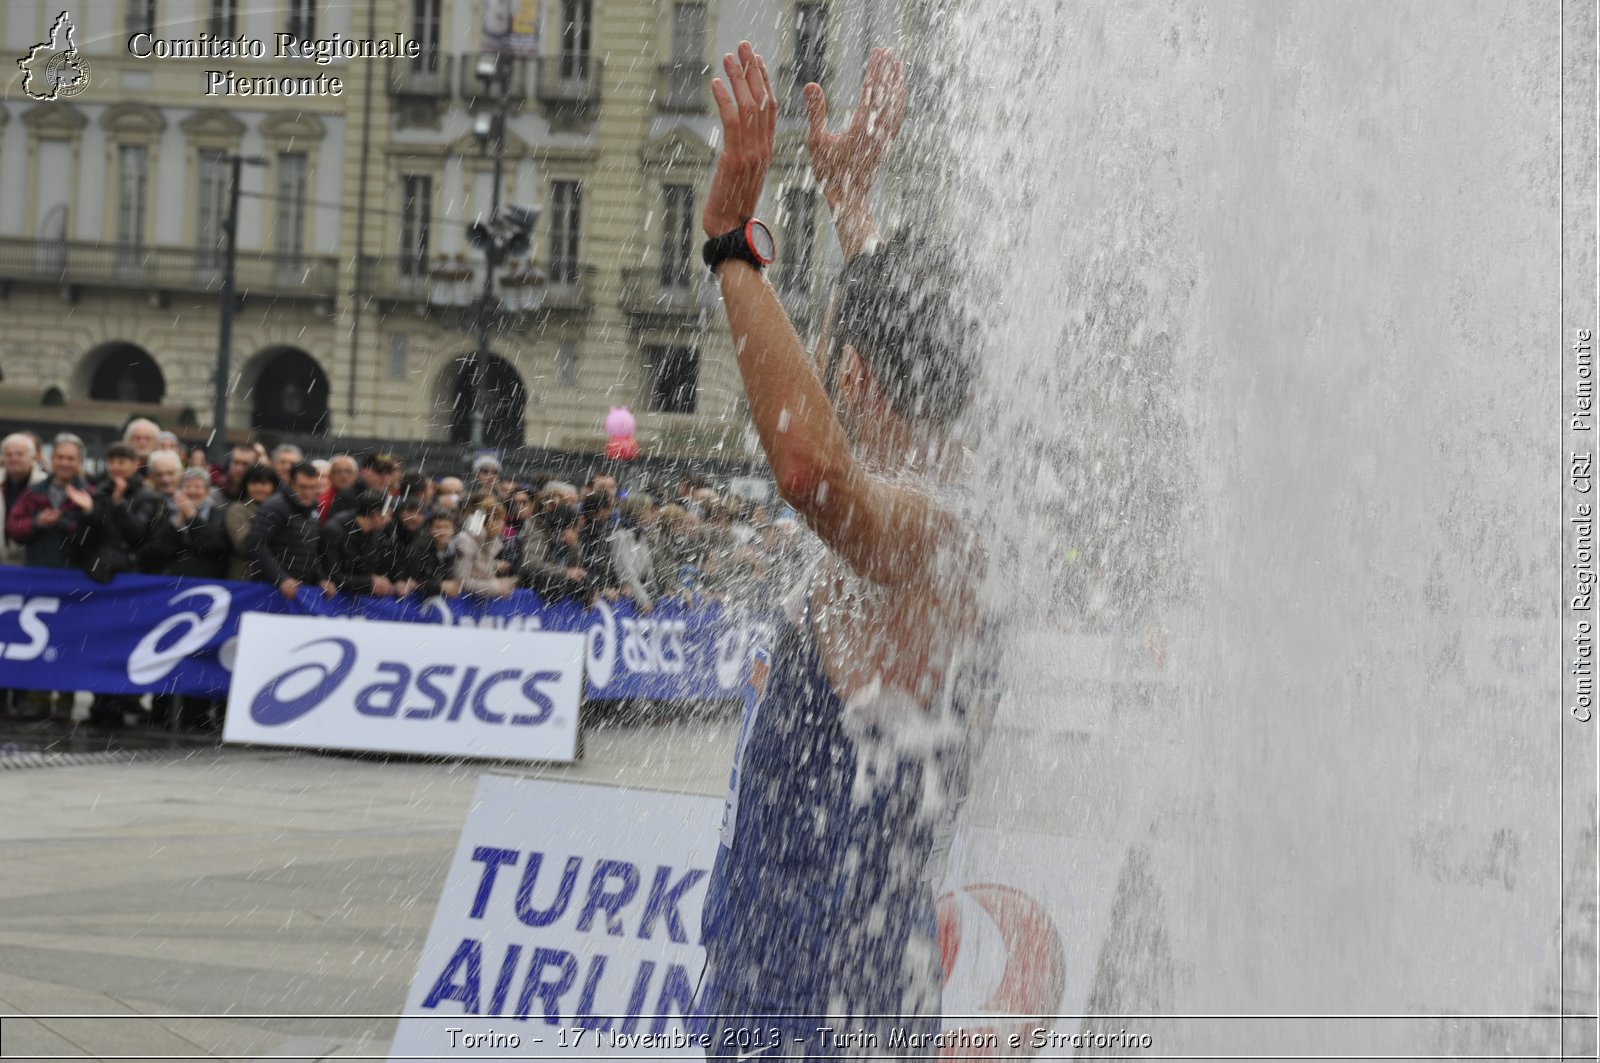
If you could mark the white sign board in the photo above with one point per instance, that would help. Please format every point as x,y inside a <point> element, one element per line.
<point>570,923</point>
<point>577,908</point>
<point>320,683</point>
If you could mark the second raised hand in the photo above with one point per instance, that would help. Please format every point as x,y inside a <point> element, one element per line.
<point>846,163</point>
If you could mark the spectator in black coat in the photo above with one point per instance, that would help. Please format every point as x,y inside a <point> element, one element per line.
<point>410,566</point>
<point>119,525</point>
<point>594,547</point>
<point>190,539</point>
<point>439,563</point>
<point>286,539</point>
<point>358,548</point>
<point>548,554</point>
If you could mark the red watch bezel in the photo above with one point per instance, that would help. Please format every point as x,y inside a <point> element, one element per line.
<point>751,244</point>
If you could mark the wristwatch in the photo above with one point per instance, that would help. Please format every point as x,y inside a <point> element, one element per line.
<point>752,242</point>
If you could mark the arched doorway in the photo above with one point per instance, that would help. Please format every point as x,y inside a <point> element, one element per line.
<point>505,400</point>
<point>124,372</point>
<point>290,393</point>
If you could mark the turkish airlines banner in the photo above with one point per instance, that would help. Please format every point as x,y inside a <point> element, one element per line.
<point>569,926</point>
<point>59,630</point>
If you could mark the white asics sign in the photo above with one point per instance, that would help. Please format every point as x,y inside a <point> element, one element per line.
<point>322,683</point>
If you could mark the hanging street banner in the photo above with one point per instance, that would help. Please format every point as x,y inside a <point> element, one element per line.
<point>59,630</point>
<point>511,26</point>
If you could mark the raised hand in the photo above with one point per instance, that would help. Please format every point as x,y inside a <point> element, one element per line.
<point>80,498</point>
<point>749,111</point>
<point>846,163</point>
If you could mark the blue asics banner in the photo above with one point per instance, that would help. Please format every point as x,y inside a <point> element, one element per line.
<point>139,634</point>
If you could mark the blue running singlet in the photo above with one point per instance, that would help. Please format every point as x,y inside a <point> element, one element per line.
<point>821,899</point>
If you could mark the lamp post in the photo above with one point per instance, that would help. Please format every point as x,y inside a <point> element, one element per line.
<point>230,261</point>
<point>494,70</point>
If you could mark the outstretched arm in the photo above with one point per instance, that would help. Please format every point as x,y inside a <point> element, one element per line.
<point>890,534</point>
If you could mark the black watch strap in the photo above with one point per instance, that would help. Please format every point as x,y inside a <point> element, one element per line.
<point>719,249</point>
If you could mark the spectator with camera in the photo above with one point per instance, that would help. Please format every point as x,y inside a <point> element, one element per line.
<point>478,566</point>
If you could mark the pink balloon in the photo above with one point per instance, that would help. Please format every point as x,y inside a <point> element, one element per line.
<point>619,422</point>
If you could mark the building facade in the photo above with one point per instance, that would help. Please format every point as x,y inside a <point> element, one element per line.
<point>357,285</point>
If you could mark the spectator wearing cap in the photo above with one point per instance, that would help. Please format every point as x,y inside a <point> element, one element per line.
<point>452,492</point>
<point>286,540</point>
<point>379,473</point>
<point>416,487</point>
<point>478,566</point>
<point>169,441</point>
<point>486,476</point>
<point>20,458</point>
<point>52,516</point>
<point>260,483</point>
<point>560,493</point>
<point>358,549</point>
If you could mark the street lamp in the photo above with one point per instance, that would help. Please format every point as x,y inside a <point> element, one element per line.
<point>494,70</point>
<point>219,410</point>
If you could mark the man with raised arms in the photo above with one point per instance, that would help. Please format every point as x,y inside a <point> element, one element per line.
<point>853,752</point>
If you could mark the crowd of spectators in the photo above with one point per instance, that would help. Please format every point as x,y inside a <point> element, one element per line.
<point>367,525</point>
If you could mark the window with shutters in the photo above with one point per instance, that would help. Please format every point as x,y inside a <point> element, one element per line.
<point>677,235</point>
<point>416,219</point>
<point>133,183</point>
<point>224,20</point>
<point>673,374</point>
<point>212,210</point>
<point>291,207</point>
<point>566,208</point>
